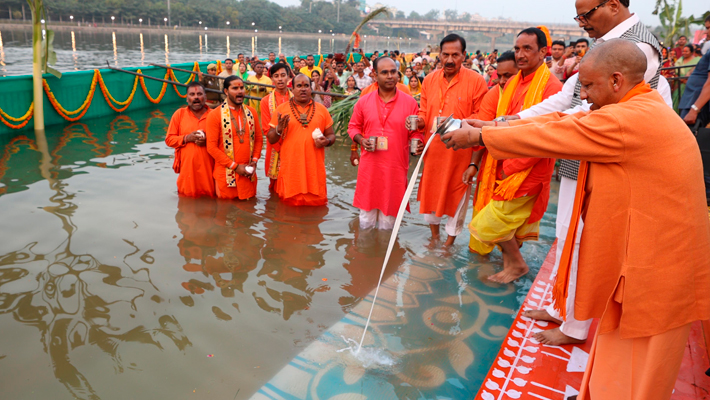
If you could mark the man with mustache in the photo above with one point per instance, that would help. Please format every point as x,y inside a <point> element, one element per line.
<point>235,141</point>
<point>258,77</point>
<point>280,95</point>
<point>457,91</point>
<point>382,172</point>
<point>186,134</point>
<point>512,195</point>
<point>303,128</point>
<point>603,21</point>
<point>644,259</point>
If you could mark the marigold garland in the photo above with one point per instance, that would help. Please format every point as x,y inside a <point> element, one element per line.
<point>82,109</point>
<point>96,79</point>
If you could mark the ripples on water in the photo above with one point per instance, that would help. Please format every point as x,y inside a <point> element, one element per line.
<point>113,287</point>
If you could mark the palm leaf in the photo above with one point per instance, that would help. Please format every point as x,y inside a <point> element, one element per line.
<point>369,17</point>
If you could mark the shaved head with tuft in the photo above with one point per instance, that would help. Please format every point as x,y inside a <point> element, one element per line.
<point>618,55</point>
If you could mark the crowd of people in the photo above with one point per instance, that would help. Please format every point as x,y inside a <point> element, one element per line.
<point>633,234</point>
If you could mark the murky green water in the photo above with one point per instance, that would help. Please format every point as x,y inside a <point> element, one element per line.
<point>113,287</point>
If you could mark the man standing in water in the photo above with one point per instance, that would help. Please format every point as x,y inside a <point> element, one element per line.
<point>645,283</point>
<point>511,196</point>
<point>186,134</point>
<point>457,91</point>
<point>235,141</point>
<point>382,174</point>
<point>303,128</point>
<point>280,95</point>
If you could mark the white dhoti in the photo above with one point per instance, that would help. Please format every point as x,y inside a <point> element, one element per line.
<point>454,225</point>
<point>368,219</point>
<point>565,202</point>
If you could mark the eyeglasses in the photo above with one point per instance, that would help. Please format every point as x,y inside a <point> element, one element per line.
<point>583,18</point>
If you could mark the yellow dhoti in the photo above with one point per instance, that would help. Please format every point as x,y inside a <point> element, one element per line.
<point>500,221</point>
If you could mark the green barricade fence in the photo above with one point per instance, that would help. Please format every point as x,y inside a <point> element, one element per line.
<point>81,95</point>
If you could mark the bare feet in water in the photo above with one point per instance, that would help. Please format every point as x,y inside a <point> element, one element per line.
<point>512,270</point>
<point>449,241</point>
<point>555,337</point>
<point>541,315</point>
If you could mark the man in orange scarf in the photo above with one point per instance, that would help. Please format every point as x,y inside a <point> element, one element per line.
<point>280,95</point>
<point>303,128</point>
<point>512,195</point>
<point>449,91</point>
<point>186,134</point>
<point>644,256</point>
<point>235,141</point>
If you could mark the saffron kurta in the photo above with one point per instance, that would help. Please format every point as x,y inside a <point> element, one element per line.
<point>382,174</point>
<point>441,187</point>
<point>265,120</point>
<point>538,181</point>
<point>302,174</point>
<point>644,257</point>
<point>246,187</point>
<point>192,162</point>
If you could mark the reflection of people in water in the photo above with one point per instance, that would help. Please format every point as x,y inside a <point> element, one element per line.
<point>76,300</point>
<point>291,254</point>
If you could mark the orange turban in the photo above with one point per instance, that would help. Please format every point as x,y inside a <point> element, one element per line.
<point>546,31</point>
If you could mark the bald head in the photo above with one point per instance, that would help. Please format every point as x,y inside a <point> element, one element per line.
<point>609,71</point>
<point>618,55</point>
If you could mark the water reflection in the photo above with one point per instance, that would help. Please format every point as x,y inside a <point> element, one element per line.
<point>228,50</point>
<point>167,51</point>
<point>115,50</point>
<point>2,56</point>
<point>74,299</point>
<point>142,50</point>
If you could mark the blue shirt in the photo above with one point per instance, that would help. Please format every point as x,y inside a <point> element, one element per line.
<point>695,84</point>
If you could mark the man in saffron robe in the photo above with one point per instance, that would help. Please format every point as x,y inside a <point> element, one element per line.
<point>303,128</point>
<point>382,172</point>
<point>450,90</point>
<point>511,196</point>
<point>235,141</point>
<point>280,95</point>
<point>644,255</point>
<point>186,134</point>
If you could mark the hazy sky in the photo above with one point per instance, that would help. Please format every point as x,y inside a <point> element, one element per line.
<point>551,11</point>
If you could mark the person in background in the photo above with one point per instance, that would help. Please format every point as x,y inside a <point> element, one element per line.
<point>186,134</point>
<point>351,86</point>
<point>213,99</point>
<point>255,90</point>
<point>690,59</point>
<point>361,78</point>
<point>557,64</point>
<point>243,74</point>
<point>667,62</point>
<point>382,172</point>
<point>415,87</point>
<point>315,86</point>
<point>270,62</point>
<point>329,80</point>
<point>235,141</point>
<point>705,43</point>
<point>340,71</point>
<point>304,128</point>
<point>228,69</point>
<point>426,66</point>
<point>572,64</point>
<point>408,73</point>
<point>678,50</point>
<point>491,76</point>
<point>310,67</point>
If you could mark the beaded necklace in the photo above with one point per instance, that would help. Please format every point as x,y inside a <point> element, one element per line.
<point>304,119</point>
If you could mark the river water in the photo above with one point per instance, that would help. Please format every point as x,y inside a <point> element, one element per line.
<point>85,49</point>
<point>113,287</point>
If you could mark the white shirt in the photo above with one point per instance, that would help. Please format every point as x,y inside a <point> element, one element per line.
<point>363,82</point>
<point>562,101</point>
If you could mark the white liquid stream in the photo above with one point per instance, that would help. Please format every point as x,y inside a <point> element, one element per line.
<point>393,237</point>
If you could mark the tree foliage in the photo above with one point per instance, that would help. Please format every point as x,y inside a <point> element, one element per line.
<point>265,14</point>
<point>673,24</point>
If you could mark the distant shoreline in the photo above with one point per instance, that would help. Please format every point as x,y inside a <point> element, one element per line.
<point>66,27</point>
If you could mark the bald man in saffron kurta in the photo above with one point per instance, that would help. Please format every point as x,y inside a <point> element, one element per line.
<point>302,174</point>
<point>441,190</point>
<point>245,187</point>
<point>192,162</point>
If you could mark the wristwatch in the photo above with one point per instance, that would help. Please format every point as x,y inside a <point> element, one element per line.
<point>695,108</point>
